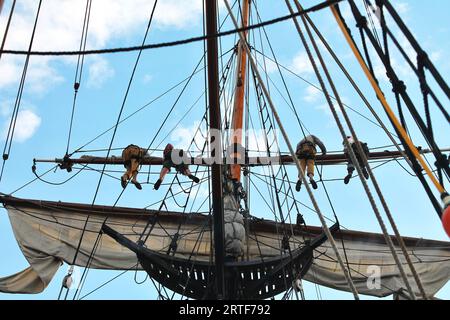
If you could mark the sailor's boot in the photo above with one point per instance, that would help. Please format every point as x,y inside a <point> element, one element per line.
<point>157,184</point>
<point>137,184</point>
<point>123,181</point>
<point>348,176</point>
<point>194,178</point>
<point>313,183</point>
<point>298,185</point>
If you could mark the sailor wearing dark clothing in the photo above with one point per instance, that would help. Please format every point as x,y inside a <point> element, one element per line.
<point>350,164</point>
<point>170,154</point>
<point>306,153</point>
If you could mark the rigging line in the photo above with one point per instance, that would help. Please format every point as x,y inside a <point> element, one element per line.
<point>12,124</point>
<point>174,104</point>
<point>39,177</point>
<point>402,89</point>
<point>279,205</point>
<point>347,144</point>
<point>282,167</point>
<point>314,8</point>
<point>372,23</point>
<point>311,195</point>
<point>79,68</point>
<point>356,87</point>
<point>292,105</point>
<point>407,33</point>
<point>332,97</point>
<point>382,20</point>
<point>416,71</point>
<point>115,129</point>
<point>109,281</point>
<point>203,94</point>
<point>380,95</point>
<point>181,119</point>
<point>297,201</point>
<point>325,91</point>
<point>5,35</point>
<point>169,190</point>
<point>189,192</point>
<point>125,98</point>
<point>87,268</point>
<point>132,114</point>
<point>268,184</point>
<point>372,176</point>
<point>33,180</point>
<point>140,109</point>
<point>398,85</point>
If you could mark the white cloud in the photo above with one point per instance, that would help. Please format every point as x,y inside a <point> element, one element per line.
<point>401,7</point>
<point>27,124</point>
<point>99,72</point>
<point>312,94</point>
<point>60,26</point>
<point>147,78</point>
<point>301,63</point>
<point>182,136</point>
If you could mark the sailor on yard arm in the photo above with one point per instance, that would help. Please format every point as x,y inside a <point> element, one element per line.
<point>350,165</point>
<point>132,156</point>
<point>306,153</point>
<point>169,162</point>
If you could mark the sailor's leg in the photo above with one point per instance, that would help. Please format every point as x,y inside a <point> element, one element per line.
<point>299,181</point>
<point>188,173</point>
<point>162,175</point>
<point>363,168</point>
<point>126,176</point>
<point>350,169</point>
<point>134,173</point>
<point>310,171</point>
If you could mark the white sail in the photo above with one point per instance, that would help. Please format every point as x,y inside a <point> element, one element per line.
<point>48,234</point>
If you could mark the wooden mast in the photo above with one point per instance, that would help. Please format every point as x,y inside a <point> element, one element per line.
<point>216,168</point>
<point>238,110</point>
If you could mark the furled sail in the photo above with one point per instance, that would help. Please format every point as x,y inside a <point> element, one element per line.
<point>48,234</point>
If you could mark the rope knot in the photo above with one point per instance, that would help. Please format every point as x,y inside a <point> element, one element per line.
<point>361,22</point>
<point>398,87</point>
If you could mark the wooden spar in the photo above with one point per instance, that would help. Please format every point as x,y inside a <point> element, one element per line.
<point>216,168</point>
<point>1,5</point>
<point>257,225</point>
<point>329,159</point>
<point>238,111</point>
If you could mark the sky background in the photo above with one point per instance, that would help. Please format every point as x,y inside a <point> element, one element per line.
<point>43,120</point>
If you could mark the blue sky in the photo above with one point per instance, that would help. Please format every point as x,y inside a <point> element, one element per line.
<point>46,105</point>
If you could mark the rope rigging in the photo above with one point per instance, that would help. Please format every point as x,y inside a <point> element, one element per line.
<point>410,149</point>
<point>285,136</point>
<point>79,68</point>
<point>15,113</point>
<point>281,199</point>
<point>402,90</point>
<point>357,164</point>
<point>314,8</point>
<point>112,140</point>
<point>5,35</point>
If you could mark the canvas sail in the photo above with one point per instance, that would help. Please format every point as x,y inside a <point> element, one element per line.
<point>48,234</point>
